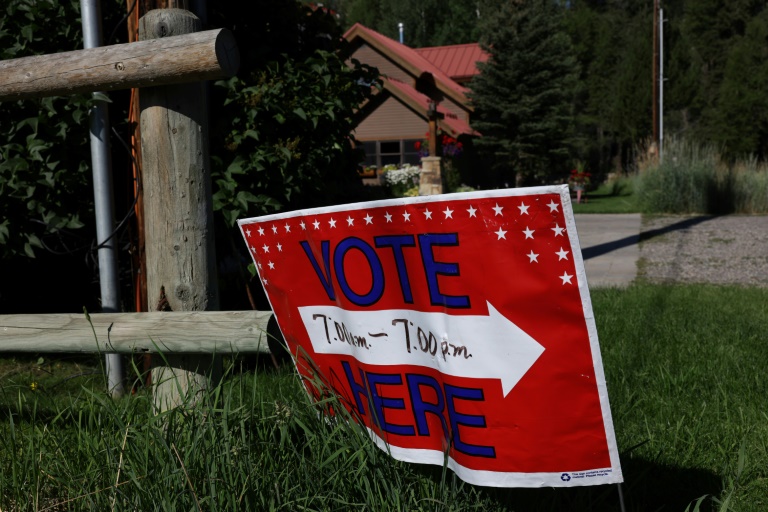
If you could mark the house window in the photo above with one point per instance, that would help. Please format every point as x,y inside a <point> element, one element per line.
<point>387,152</point>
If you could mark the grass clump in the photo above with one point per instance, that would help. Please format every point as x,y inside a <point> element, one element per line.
<point>691,178</point>
<point>685,368</point>
<point>252,443</point>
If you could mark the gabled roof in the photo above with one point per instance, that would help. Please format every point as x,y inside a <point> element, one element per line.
<point>408,59</point>
<point>459,61</point>
<point>418,102</point>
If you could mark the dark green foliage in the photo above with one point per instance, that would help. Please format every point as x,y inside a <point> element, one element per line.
<point>426,23</point>
<point>44,166</point>
<point>743,103</point>
<point>523,97</point>
<point>283,138</point>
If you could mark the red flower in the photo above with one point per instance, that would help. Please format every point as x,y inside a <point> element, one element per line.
<point>417,145</point>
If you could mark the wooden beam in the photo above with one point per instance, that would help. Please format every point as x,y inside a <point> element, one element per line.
<point>166,60</point>
<point>171,332</point>
<point>178,212</point>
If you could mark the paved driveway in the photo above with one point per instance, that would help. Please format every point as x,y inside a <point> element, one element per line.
<point>610,247</point>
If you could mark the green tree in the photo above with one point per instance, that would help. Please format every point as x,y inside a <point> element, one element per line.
<point>426,23</point>
<point>45,174</point>
<point>524,95</point>
<point>711,28</point>
<point>282,141</point>
<point>743,105</point>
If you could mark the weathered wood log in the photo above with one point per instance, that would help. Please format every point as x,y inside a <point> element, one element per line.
<point>169,332</point>
<point>178,211</point>
<point>169,59</point>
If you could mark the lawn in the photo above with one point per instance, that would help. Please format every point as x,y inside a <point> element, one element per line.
<point>611,197</point>
<point>686,376</point>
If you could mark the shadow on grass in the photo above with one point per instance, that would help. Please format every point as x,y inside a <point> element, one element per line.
<point>647,487</point>
<point>614,245</point>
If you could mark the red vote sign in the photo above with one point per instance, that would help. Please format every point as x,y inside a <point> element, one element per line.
<point>456,325</point>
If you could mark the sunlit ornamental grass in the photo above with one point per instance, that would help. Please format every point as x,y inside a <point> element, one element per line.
<point>692,178</point>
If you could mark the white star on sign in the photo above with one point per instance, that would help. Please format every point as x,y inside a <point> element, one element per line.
<point>265,282</point>
<point>368,218</point>
<point>498,209</point>
<point>533,257</point>
<point>261,231</point>
<point>274,229</point>
<point>271,265</point>
<point>427,214</point>
<point>523,209</point>
<point>552,206</point>
<point>350,221</point>
<point>566,277</point>
<point>316,224</point>
<point>529,232</point>
<point>253,249</point>
<point>501,234</point>
<point>558,230</point>
<point>287,228</point>
<point>448,213</point>
<point>406,216</point>
<point>248,232</point>
<point>258,265</point>
<point>303,226</point>
<point>563,255</point>
<point>472,211</point>
<point>279,248</point>
<point>332,222</point>
<point>388,216</point>
<point>266,248</point>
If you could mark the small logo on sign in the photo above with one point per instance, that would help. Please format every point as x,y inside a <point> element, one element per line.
<point>565,477</point>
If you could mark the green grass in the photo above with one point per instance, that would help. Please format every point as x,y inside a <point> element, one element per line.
<point>686,376</point>
<point>692,178</point>
<point>616,196</point>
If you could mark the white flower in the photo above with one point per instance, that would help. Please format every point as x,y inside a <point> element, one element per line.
<point>408,175</point>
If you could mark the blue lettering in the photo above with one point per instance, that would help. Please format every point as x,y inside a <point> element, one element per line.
<point>380,403</point>
<point>435,268</point>
<point>358,390</point>
<point>420,407</point>
<point>397,242</point>
<point>377,272</point>
<point>325,278</point>
<point>467,420</point>
<point>432,269</point>
<point>368,390</point>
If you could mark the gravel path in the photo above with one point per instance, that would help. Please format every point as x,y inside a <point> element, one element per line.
<point>731,249</point>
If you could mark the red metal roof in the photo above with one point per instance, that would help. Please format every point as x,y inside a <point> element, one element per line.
<point>409,58</point>
<point>457,61</point>
<point>420,102</point>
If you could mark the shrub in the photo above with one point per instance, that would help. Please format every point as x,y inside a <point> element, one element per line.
<point>692,178</point>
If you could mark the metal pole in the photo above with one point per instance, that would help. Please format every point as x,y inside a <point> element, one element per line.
<point>655,77</point>
<point>103,201</point>
<point>400,29</point>
<point>661,82</point>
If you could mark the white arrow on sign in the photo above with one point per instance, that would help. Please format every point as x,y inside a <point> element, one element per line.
<point>462,346</point>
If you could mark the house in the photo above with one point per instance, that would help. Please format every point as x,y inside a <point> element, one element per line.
<point>420,85</point>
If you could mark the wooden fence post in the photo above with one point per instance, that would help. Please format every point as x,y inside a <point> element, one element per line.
<point>178,213</point>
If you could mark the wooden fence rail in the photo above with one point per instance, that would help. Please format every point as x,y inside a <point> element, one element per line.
<point>199,332</point>
<point>169,60</point>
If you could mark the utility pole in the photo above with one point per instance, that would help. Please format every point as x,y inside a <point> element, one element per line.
<point>661,83</point>
<point>655,78</point>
